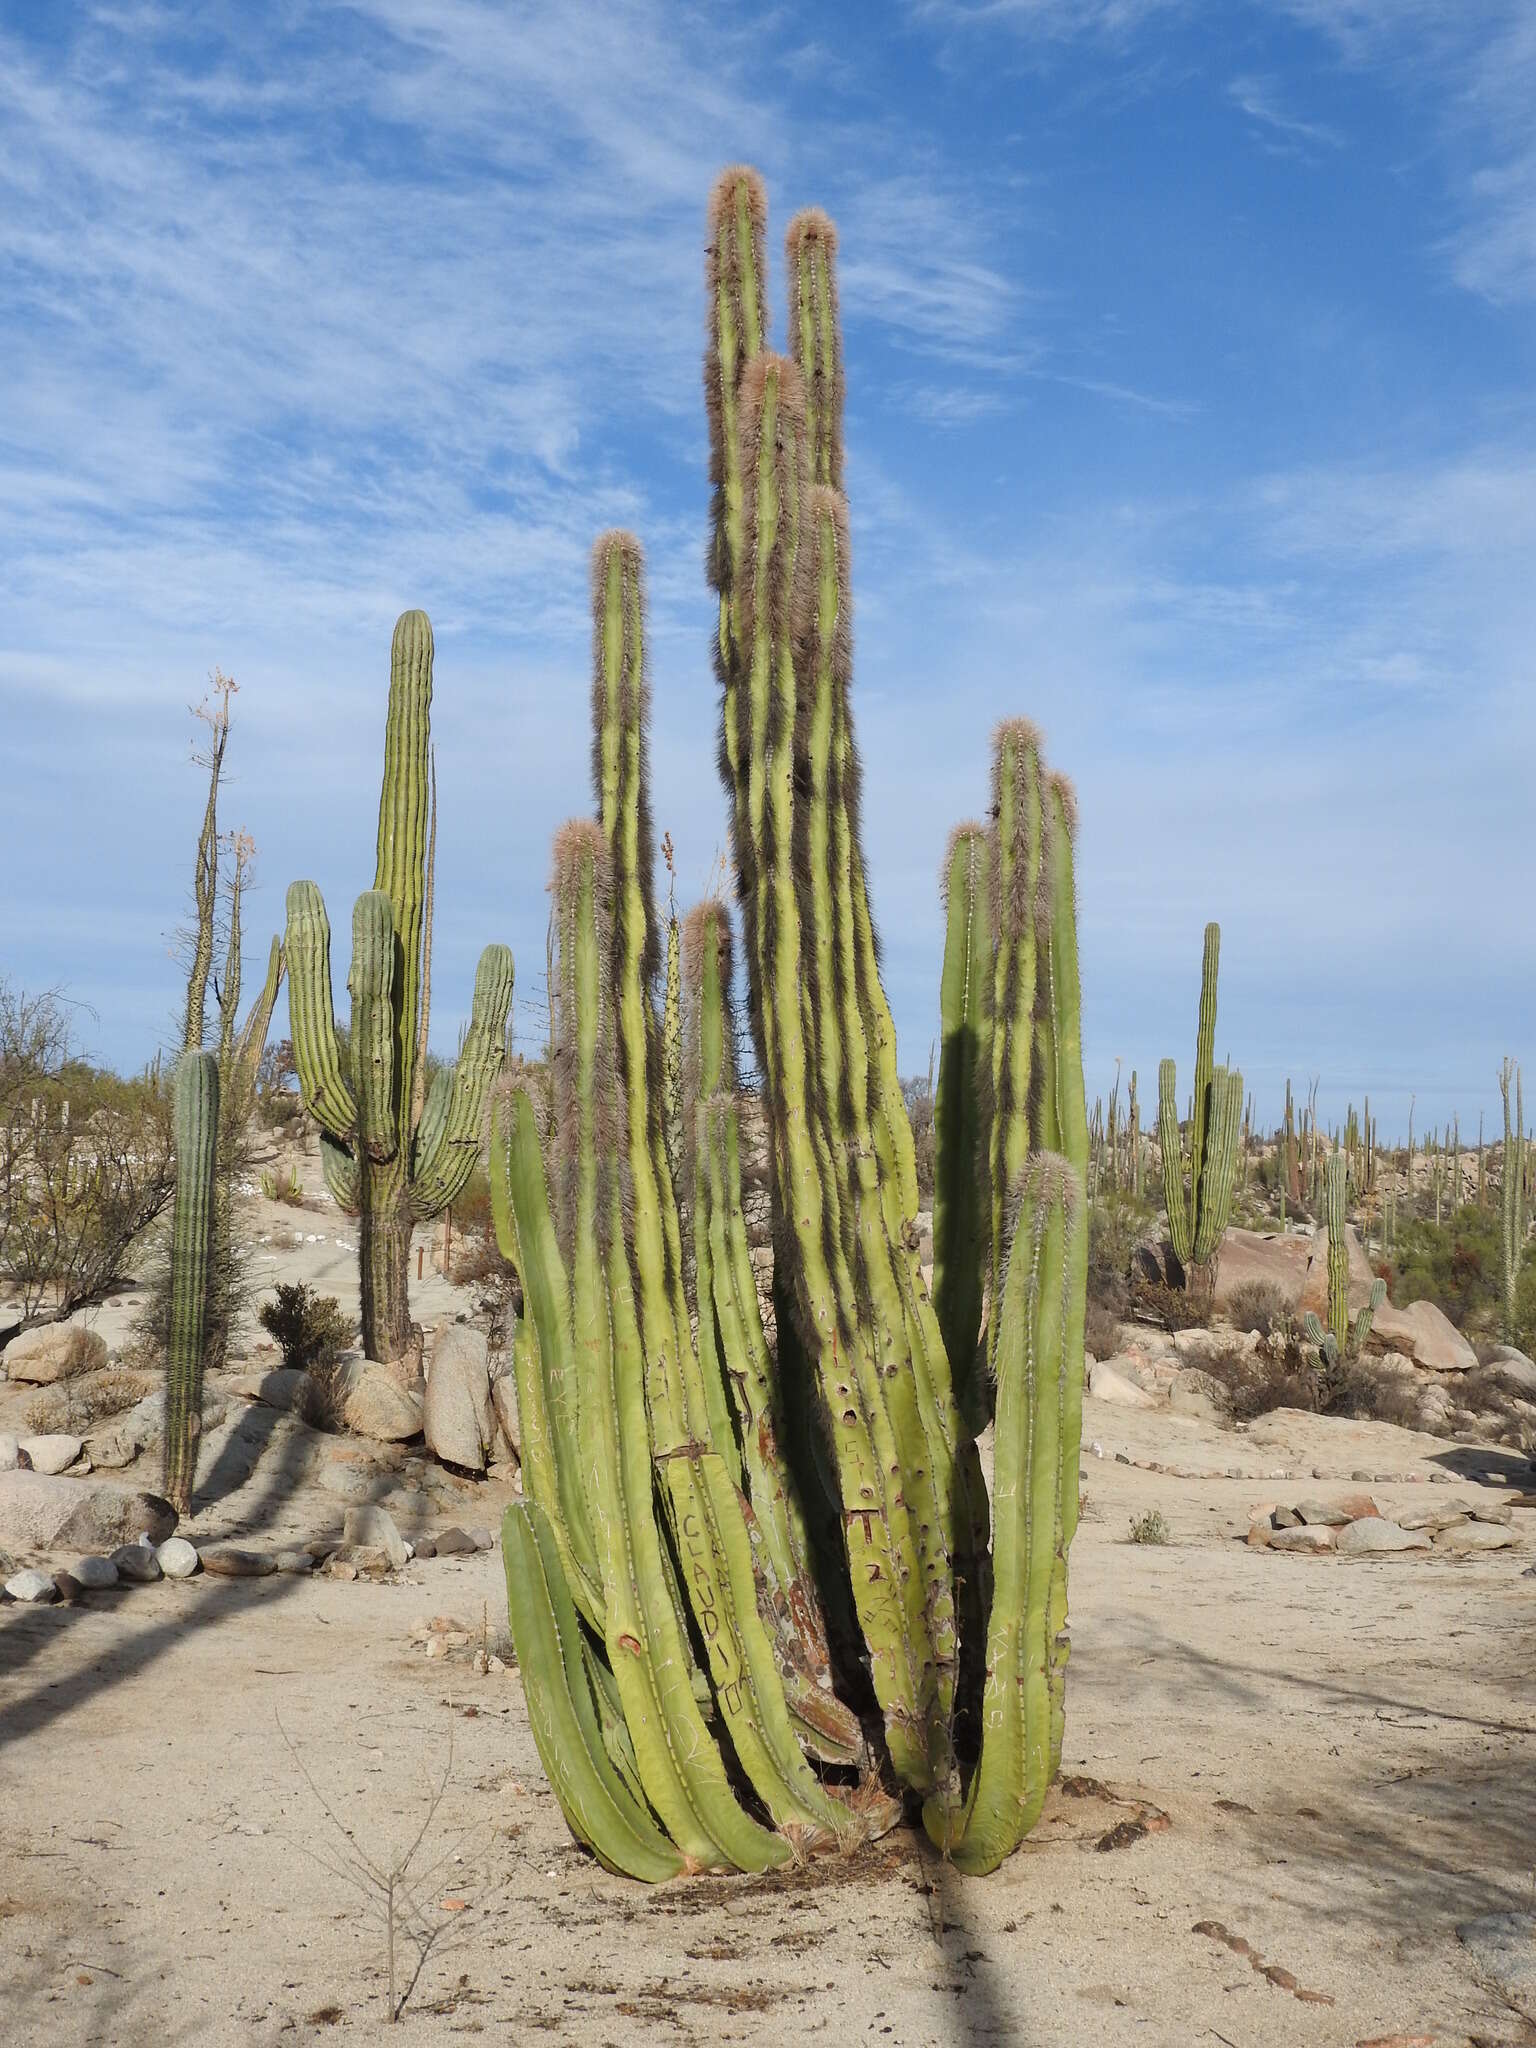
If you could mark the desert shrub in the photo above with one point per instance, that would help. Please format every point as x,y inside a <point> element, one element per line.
<point>76,1405</point>
<point>1101,1332</point>
<point>284,1188</point>
<point>1257,1305</point>
<point>1286,1372</point>
<point>324,1399</point>
<point>310,1328</point>
<point>1454,1264</point>
<point>1152,1527</point>
<point>1172,1307</point>
<point>1116,1225</point>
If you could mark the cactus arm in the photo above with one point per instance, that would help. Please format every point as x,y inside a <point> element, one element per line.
<point>1205,1055</point>
<point>245,1064</point>
<point>1014,1770</point>
<point>312,1013</point>
<point>599,1807</point>
<point>810,250</point>
<point>1171,1145</point>
<point>965,1062</point>
<point>1219,1168</point>
<point>342,1175</point>
<point>526,1234</point>
<point>448,1155</point>
<point>370,982</point>
<point>1338,1249</point>
<point>195,1127</point>
<point>418,1096</point>
<point>1361,1331</point>
<point>404,797</point>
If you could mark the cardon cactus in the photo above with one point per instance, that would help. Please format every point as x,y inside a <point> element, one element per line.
<point>1198,1212</point>
<point>395,1151</point>
<point>1342,1338</point>
<point>822,1519</point>
<point>1511,1193</point>
<point>195,1127</point>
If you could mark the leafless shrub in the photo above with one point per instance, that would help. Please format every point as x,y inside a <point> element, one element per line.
<point>1258,1305</point>
<point>76,1405</point>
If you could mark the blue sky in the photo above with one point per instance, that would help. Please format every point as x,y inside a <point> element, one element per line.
<point>1190,356</point>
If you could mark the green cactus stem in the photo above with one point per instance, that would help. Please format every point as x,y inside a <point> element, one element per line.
<point>961,1219</point>
<point>1198,1213</point>
<point>1512,1194</point>
<point>195,1126</point>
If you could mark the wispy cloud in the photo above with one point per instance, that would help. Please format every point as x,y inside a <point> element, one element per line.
<point>1260,100</point>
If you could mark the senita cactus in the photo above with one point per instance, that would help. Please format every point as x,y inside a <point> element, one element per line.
<point>1342,1338</point>
<point>658,1477</point>
<point>195,1125</point>
<point>395,1152</point>
<point>1197,1214</point>
<point>1512,1192</point>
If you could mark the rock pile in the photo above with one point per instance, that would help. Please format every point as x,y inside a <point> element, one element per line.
<point>1355,1527</point>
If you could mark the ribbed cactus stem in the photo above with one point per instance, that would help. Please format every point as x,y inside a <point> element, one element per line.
<point>1335,1177</point>
<point>672,1044</point>
<point>195,1128</point>
<point>1512,1192</point>
<point>961,1218</point>
<point>1198,1212</point>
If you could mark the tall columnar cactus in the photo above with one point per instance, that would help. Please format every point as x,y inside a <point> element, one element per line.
<point>1512,1192</point>
<point>195,1126</point>
<point>627,1399</point>
<point>1343,1338</point>
<point>1197,1214</point>
<point>395,1151</point>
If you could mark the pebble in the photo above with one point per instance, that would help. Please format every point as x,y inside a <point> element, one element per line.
<point>177,1558</point>
<point>1121,1458</point>
<point>1322,1514</point>
<point>427,1547</point>
<point>495,1664</point>
<point>1359,1477</point>
<point>482,1538</point>
<point>31,1585</point>
<point>95,1572</point>
<point>437,1647</point>
<point>230,1561</point>
<point>137,1563</point>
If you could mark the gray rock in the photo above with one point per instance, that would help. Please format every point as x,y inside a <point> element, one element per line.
<point>375,1403</point>
<point>504,1410</point>
<point>57,1351</point>
<point>283,1387</point>
<point>1373,1535</point>
<point>427,1547</point>
<point>231,1561</point>
<point>1432,1519</point>
<point>454,1542</point>
<point>10,1451</point>
<point>1490,1511</point>
<point>1106,1382</point>
<point>293,1562</point>
<point>1514,1368</point>
<point>354,1482</point>
<point>177,1558</point>
<point>1301,1538</point>
<point>55,1452</point>
<point>32,1586</point>
<point>1284,1518</point>
<point>42,1512</point>
<point>138,1563</point>
<point>481,1537</point>
<point>94,1573</point>
<point>1502,1950</point>
<point>375,1527</point>
<point>1322,1514</point>
<point>458,1421</point>
<point>1426,1333</point>
<point>142,1428</point>
<point>1466,1537</point>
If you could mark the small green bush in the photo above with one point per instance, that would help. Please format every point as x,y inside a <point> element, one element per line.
<point>310,1328</point>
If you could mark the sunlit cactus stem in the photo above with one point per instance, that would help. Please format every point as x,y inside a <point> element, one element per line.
<point>1512,1193</point>
<point>195,1124</point>
<point>961,1219</point>
<point>1198,1213</point>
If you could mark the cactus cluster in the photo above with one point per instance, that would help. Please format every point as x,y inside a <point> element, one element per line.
<point>395,1151</point>
<point>1197,1188</point>
<point>810,1510</point>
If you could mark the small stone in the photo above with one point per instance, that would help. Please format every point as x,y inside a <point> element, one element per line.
<point>374,1527</point>
<point>1318,1472</point>
<point>1322,1514</point>
<point>95,1573</point>
<point>1259,1534</point>
<point>437,1647</point>
<point>294,1562</point>
<point>494,1664</point>
<point>1373,1535</point>
<point>483,1539</point>
<point>1465,1537</point>
<point>177,1558</point>
<point>481,1663</point>
<point>1485,1511</point>
<point>1284,1518</point>
<point>68,1588</point>
<point>10,1451</point>
<point>340,1568</point>
<point>53,1453</point>
<point>1121,1458</point>
<point>427,1546</point>
<point>30,1585</point>
<point>1301,1538</point>
<point>454,1542</point>
<point>231,1561</point>
<point>137,1563</point>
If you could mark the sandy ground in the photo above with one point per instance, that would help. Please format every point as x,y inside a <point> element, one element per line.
<point>1343,1749</point>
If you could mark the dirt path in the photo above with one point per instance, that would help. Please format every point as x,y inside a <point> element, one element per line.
<point>1343,1750</point>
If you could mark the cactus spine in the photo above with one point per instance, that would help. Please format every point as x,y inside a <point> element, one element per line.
<point>1512,1192</point>
<point>1197,1216</point>
<point>395,1151</point>
<point>195,1124</point>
